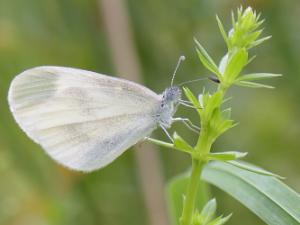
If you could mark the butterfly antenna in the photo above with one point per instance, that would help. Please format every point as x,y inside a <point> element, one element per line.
<point>181,58</point>
<point>191,81</point>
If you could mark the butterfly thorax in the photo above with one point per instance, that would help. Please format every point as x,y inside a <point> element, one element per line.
<point>168,105</point>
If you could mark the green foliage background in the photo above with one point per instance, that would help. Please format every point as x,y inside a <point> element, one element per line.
<point>35,190</point>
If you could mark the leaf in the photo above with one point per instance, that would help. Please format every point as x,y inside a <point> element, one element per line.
<point>159,142</point>
<point>213,102</point>
<point>179,143</point>
<point>175,190</point>
<point>222,30</point>
<point>257,76</point>
<point>236,62</point>
<point>254,169</point>
<point>165,144</point>
<point>192,98</point>
<point>250,38</point>
<point>270,199</point>
<point>259,41</point>
<point>251,59</point>
<point>206,59</point>
<point>225,125</point>
<point>233,23</point>
<point>226,156</point>
<point>208,211</point>
<point>224,220</point>
<point>219,220</point>
<point>226,113</point>
<point>252,84</point>
<point>223,63</point>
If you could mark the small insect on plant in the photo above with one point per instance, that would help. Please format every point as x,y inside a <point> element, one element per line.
<point>85,120</point>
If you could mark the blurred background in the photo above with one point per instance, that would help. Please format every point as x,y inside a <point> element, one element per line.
<point>35,190</point>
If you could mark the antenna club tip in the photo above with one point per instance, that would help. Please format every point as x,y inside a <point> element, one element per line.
<point>182,58</point>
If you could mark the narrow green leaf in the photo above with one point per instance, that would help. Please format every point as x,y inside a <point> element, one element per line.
<point>159,142</point>
<point>206,59</point>
<point>175,190</point>
<point>252,36</point>
<point>224,220</point>
<point>225,125</point>
<point>251,59</point>
<point>236,63</point>
<point>226,113</point>
<point>226,156</point>
<point>223,64</point>
<point>257,76</point>
<point>254,169</point>
<point>179,143</point>
<point>252,84</point>
<point>201,100</point>
<point>164,144</point>
<point>215,221</point>
<point>219,220</point>
<point>226,100</point>
<point>258,23</point>
<point>222,30</point>
<point>259,41</point>
<point>232,19</point>
<point>192,98</point>
<point>208,211</point>
<point>213,103</point>
<point>270,199</point>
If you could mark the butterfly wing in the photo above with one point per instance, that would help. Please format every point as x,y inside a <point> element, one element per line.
<point>83,120</point>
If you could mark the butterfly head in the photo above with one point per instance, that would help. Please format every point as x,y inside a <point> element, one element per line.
<point>172,95</point>
<point>169,102</point>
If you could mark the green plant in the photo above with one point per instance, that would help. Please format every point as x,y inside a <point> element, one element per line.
<point>270,199</point>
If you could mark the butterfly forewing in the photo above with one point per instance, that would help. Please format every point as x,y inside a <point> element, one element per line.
<point>82,119</point>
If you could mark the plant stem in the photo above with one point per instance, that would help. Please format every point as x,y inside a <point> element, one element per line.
<point>222,89</point>
<point>189,201</point>
<point>203,144</point>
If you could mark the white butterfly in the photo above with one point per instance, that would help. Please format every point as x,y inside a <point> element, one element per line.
<point>84,120</point>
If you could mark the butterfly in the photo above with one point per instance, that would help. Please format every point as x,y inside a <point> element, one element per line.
<point>84,120</point>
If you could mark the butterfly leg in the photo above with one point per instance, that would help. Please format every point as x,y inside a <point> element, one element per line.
<point>187,104</point>
<point>184,101</point>
<point>166,132</point>
<point>188,124</point>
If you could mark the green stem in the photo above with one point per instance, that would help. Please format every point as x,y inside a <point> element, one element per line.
<point>223,89</point>
<point>203,144</point>
<point>189,201</point>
